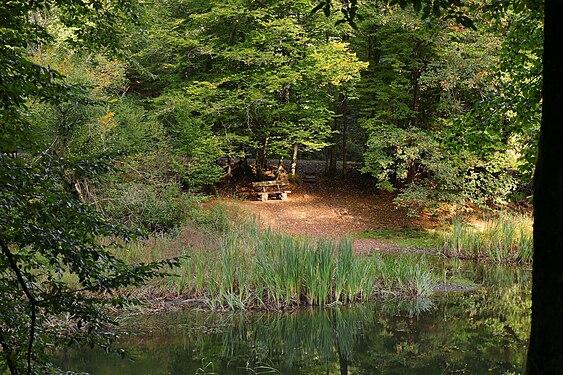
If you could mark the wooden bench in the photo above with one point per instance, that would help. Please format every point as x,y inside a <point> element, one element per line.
<point>265,188</point>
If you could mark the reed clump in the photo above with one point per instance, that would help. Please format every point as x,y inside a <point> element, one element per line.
<point>505,238</point>
<point>250,269</point>
<point>236,265</point>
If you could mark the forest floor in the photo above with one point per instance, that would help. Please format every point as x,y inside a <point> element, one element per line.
<point>332,208</point>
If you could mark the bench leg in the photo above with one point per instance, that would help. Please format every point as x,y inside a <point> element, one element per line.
<point>263,197</point>
<point>283,196</point>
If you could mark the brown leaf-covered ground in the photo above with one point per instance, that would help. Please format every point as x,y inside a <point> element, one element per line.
<point>327,210</point>
<point>330,207</point>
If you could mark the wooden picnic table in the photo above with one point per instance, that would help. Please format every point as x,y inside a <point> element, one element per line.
<point>274,187</point>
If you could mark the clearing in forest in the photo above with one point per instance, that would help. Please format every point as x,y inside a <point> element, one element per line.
<point>333,208</point>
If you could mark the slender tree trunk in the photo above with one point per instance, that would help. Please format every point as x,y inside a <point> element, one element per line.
<point>374,52</point>
<point>343,361</point>
<point>344,111</point>
<point>545,353</point>
<point>332,161</point>
<point>410,174</point>
<point>279,168</point>
<point>294,158</point>
<point>415,75</point>
<point>334,148</point>
<point>264,152</point>
<point>327,160</point>
<point>229,173</point>
<point>33,305</point>
<point>8,354</point>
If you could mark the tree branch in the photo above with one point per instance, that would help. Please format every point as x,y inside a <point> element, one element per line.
<point>32,300</point>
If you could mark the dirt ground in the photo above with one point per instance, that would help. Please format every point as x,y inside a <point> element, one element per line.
<point>330,207</point>
<point>327,211</point>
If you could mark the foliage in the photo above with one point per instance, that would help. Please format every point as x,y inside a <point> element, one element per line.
<point>429,177</point>
<point>503,239</point>
<point>25,31</point>
<point>449,115</point>
<point>249,269</point>
<point>151,207</point>
<point>47,232</point>
<point>431,130</point>
<point>508,117</point>
<point>258,79</point>
<point>196,147</point>
<point>456,10</point>
<point>46,229</point>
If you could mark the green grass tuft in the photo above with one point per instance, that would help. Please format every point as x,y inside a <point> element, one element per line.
<point>408,237</point>
<point>506,238</point>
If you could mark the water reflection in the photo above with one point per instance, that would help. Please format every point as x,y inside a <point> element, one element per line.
<point>484,331</point>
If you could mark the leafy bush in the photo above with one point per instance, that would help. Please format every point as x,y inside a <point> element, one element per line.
<point>196,146</point>
<point>429,177</point>
<point>155,208</point>
<point>413,161</point>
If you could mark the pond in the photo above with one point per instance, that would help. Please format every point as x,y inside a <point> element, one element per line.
<point>484,331</point>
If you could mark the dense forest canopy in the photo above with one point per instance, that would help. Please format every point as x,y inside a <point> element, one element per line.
<point>443,114</point>
<point>439,112</point>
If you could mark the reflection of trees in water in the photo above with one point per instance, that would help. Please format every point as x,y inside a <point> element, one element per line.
<point>474,331</point>
<point>471,332</point>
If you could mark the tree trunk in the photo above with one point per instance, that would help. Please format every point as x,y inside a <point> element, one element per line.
<point>279,168</point>
<point>374,51</point>
<point>264,152</point>
<point>229,172</point>
<point>327,160</point>
<point>545,353</point>
<point>334,148</point>
<point>294,158</point>
<point>415,75</point>
<point>8,354</point>
<point>344,111</point>
<point>332,161</point>
<point>343,361</point>
<point>261,154</point>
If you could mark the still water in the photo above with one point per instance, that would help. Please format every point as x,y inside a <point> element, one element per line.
<point>484,331</point>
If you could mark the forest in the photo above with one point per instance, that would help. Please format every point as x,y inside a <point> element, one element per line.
<point>433,110</point>
<point>125,124</point>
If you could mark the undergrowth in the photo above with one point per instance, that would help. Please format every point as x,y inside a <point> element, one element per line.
<point>506,238</point>
<point>244,267</point>
<point>240,267</point>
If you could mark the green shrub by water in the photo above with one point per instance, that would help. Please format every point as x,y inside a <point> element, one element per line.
<point>506,238</point>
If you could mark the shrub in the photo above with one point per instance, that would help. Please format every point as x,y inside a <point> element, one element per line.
<point>430,177</point>
<point>155,208</point>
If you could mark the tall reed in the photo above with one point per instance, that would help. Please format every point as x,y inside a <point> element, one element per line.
<point>248,268</point>
<point>506,238</point>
